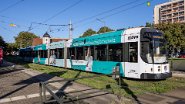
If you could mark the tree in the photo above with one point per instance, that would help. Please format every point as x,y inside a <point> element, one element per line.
<point>11,47</point>
<point>2,42</point>
<point>174,34</point>
<point>88,32</point>
<point>24,39</point>
<point>104,29</point>
<point>148,24</point>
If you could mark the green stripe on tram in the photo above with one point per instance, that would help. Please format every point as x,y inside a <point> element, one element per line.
<point>98,39</point>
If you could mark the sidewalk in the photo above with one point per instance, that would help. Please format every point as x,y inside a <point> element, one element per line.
<point>178,74</point>
<point>17,87</point>
<point>173,97</point>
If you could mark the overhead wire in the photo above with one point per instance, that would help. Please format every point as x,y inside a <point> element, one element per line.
<point>76,3</point>
<point>107,11</point>
<point>17,25</point>
<point>125,9</point>
<point>7,29</point>
<point>67,8</point>
<point>121,11</point>
<point>10,6</point>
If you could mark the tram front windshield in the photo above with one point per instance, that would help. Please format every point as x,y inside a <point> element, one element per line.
<point>153,49</point>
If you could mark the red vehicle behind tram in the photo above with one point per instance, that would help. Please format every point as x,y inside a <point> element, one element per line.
<point>1,55</point>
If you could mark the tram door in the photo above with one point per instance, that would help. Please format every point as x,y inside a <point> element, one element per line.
<point>131,63</point>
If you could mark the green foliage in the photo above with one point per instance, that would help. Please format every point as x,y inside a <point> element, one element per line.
<point>11,47</point>
<point>148,24</point>
<point>104,29</point>
<point>2,42</point>
<point>89,32</point>
<point>174,34</point>
<point>24,39</point>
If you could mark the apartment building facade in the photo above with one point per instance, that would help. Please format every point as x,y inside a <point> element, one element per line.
<point>170,12</point>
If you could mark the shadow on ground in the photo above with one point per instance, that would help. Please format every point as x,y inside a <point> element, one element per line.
<point>24,83</point>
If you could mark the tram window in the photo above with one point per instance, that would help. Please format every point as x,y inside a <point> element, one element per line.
<point>35,54</point>
<point>133,52</point>
<point>40,53</point>
<point>72,53</point>
<point>80,55</point>
<point>115,52</point>
<point>86,49</point>
<point>60,54</point>
<point>57,53</point>
<point>68,53</point>
<point>26,53</point>
<point>44,54</point>
<point>100,53</point>
<point>53,53</point>
<point>92,51</point>
<point>29,53</point>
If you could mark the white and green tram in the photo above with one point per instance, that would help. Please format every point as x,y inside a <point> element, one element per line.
<point>139,53</point>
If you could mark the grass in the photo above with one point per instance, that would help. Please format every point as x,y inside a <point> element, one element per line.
<point>133,87</point>
<point>176,59</point>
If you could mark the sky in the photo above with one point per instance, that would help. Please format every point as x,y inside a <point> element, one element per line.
<point>83,14</point>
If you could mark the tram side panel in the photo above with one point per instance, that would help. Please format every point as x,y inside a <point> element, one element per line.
<point>41,56</point>
<point>57,54</point>
<point>92,57</point>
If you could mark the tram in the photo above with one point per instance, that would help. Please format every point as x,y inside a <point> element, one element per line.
<point>139,53</point>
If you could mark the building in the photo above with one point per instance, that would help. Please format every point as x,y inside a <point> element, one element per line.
<point>169,12</point>
<point>46,39</point>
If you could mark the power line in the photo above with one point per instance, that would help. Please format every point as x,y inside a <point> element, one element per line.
<point>7,29</point>
<point>43,23</point>
<point>17,25</point>
<point>125,9</point>
<point>62,11</point>
<point>11,6</point>
<point>107,11</point>
<point>4,16</point>
<point>121,11</point>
